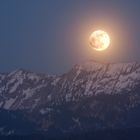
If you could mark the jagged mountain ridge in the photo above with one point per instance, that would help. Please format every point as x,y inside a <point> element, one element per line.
<point>91,95</point>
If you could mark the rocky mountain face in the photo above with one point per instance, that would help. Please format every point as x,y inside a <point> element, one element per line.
<point>91,96</point>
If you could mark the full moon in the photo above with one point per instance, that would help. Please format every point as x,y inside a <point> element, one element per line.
<point>99,40</point>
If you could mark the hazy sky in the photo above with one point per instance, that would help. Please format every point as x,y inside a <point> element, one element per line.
<point>52,35</point>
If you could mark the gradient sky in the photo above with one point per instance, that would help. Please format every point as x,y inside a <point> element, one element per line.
<point>52,35</point>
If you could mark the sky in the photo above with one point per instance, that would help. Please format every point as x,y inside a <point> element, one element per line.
<point>50,36</point>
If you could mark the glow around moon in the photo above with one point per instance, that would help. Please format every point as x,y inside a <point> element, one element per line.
<point>99,40</point>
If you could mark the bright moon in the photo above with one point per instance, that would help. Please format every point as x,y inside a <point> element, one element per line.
<point>99,40</point>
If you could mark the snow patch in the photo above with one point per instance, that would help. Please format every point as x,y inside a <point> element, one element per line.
<point>27,93</point>
<point>8,103</point>
<point>45,111</point>
<point>19,82</point>
<point>55,81</point>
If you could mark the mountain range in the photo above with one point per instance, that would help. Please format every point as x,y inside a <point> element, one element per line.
<point>92,96</point>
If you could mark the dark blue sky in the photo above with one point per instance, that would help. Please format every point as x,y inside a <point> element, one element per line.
<point>52,35</point>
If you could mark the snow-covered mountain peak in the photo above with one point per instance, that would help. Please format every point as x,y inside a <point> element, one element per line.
<point>94,65</point>
<point>107,68</point>
<point>17,72</point>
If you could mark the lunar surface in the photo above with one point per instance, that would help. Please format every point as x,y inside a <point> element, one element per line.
<point>99,40</point>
